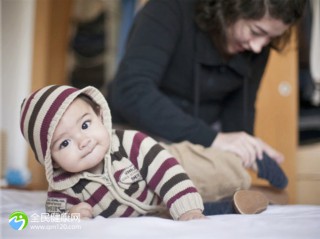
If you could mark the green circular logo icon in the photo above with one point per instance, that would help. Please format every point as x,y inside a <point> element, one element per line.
<point>18,220</point>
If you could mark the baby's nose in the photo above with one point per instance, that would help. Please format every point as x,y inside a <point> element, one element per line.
<point>84,143</point>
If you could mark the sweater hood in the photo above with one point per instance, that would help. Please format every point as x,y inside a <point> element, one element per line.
<point>39,117</point>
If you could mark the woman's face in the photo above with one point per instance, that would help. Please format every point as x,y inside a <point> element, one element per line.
<point>253,35</point>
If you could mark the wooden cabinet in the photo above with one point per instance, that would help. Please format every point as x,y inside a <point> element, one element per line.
<point>308,174</point>
<point>277,110</point>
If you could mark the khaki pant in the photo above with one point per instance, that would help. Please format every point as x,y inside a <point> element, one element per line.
<point>216,174</point>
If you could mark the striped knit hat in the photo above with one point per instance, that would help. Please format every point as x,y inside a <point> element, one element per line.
<point>41,113</point>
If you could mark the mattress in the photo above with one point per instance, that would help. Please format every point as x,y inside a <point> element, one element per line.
<point>285,221</point>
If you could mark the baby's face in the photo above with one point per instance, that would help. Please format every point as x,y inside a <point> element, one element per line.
<point>80,140</point>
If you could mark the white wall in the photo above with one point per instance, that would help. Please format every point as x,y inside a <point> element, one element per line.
<point>17,24</point>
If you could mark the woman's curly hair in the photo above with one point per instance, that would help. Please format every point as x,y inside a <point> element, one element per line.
<point>215,16</point>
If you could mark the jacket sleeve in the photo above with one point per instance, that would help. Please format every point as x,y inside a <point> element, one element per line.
<point>136,95</point>
<point>164,175</point>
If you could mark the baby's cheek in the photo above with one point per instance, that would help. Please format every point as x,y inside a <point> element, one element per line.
<point>61,160</point>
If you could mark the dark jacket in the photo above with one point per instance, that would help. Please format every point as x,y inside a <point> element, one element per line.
<point>172,82</point>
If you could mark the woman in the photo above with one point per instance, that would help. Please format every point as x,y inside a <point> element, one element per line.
<point>192,69</point>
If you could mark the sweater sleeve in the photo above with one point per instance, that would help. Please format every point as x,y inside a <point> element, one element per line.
<point>136,95</point>
<point>61,201</point>
<point>164,175</point>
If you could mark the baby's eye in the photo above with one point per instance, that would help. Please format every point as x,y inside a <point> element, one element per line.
<point>86,124</point>
<point>256,33</point>
<point>64,144</point>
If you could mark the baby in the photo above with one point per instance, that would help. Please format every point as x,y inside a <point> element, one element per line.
<point>94,170</point>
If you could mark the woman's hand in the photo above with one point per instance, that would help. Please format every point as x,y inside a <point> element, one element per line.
<point>191,215</point>
<point>247,147</point>
<point>84,209</point>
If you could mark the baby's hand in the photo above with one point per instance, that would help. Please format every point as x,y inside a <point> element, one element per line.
<point>191,215</point>
<point>85,210</point>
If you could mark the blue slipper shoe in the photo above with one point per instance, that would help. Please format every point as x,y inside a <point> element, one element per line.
<point>270,170</point>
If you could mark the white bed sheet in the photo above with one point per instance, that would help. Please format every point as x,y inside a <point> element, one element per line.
<point>290,221</point>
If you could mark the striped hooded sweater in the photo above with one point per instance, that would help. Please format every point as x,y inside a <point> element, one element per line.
<point>138,176</point>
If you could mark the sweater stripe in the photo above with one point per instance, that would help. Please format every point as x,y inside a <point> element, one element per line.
<point>150,156</point>
<point>180,194</point>
<point>155,180</point>
<point>132,189</point>
<point>97,195</point>
<point>80,186</point>
<point>62,176</point>
<point>111,209</point>
<point>172,182</point>
<point>121,150</point>
<point>50,115</point>
<point>36,109</point>
<point>26,106</point>
<point>117,156</point>
<point>117,175</point>
<point>127,212</point>
<point>137,140</point>
<point>143,195</point>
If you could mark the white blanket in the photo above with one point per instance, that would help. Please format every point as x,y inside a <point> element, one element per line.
<point>290,221</point>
